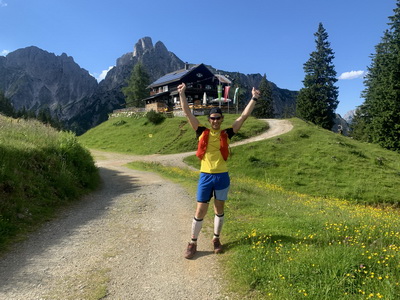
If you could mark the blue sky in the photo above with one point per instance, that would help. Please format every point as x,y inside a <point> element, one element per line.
<point>274,37</point>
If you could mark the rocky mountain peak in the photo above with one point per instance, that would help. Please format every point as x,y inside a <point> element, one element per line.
<point>143,45</point>
<point>349,116</point>
<point>160,47</point>
<point>34,79</point>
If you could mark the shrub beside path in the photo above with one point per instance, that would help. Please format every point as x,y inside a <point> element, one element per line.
<point>124,241</point>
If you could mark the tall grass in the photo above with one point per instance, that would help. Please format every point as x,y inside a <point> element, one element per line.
<point>41,169</point>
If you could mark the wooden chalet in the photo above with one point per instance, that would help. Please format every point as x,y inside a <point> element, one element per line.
<point>201,89</point>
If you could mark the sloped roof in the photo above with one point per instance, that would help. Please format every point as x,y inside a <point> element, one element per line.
<point>179,74</point>
<point>173,76</point>
<point>223,79</point>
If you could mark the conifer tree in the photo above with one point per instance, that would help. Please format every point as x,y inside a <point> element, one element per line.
<point>136,90</point>
<point>264,107</point>
<point>377,120</point>
<point>6,107</point>
<point>318,100</point>
<point>44,116</point>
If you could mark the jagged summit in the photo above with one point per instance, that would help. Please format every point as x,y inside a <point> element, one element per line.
<point>143,45</point>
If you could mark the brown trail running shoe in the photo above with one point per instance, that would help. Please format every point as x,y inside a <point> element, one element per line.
<point>217,246</point>
<point>190,250</point>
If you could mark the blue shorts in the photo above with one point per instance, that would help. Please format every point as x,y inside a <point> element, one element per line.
<point>210,185</point>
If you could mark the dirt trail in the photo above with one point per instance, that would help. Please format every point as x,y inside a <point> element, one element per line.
<point>129,237</point>
<point>277,127</point>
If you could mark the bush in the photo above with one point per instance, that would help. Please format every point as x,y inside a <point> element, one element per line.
<point>119,123</point>
<point>155,117</point>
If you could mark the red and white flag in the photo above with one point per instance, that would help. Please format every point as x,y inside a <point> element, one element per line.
<point>226,94</point>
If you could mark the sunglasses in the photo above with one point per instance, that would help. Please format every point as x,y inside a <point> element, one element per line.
<point>215,118</point>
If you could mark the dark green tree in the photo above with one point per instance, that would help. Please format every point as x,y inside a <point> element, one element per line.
<point>264,107</point>
<point>238,83</point>
<point>26,114</point>
<point>44,116</point>
<point>358,125</point>
<point>6,107</point>
<point>318,100</point>
<point>378,119</point>
<point>136,90</point>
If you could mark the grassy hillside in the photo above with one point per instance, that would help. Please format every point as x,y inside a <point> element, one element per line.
<point>318,162</point>
<point>139,136</point>
<point>40,170</point>
<point>297,226</point>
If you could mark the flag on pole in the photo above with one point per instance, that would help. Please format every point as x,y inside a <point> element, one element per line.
<point>226,95</point>
<point>236,95</point>
<point>219,91</point>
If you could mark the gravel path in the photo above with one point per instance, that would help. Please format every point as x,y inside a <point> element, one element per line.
<point>126,239</point>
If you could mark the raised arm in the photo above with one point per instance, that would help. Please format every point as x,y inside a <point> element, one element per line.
<point>247,111</point>
<point>191,118</point>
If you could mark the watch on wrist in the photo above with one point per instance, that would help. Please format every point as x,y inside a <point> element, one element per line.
<point>254,98</point>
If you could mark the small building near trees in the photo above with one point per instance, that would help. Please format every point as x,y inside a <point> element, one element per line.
<point>201,89</point>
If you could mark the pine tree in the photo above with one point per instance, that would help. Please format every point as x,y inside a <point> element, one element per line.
<point>378,119</point>
<point>44,116</point>
<point>136,90</point>
<point>264,107</point>
<point>6,107</point>
<point>318,100</point>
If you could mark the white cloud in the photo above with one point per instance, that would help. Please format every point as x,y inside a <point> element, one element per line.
<point>103,74</point>
<point>351,75</point>
<point>4,52</point>
<point>3,4</point>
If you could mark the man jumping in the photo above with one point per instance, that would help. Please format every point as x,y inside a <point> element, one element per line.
<point>214,179</point>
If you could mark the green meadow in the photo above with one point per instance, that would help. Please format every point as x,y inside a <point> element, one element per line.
<point>311,215</point>
<point>137,135</point>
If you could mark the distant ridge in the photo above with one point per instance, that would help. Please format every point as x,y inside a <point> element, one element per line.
<point>36,79</point>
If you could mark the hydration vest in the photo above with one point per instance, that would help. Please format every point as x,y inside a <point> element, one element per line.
<point>203,142</point>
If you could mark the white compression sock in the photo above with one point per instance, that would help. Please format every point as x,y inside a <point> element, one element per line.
<point>218,222</point>
<point>196,228</point>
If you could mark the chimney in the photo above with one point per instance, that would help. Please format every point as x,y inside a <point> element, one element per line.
<point>186,66</point>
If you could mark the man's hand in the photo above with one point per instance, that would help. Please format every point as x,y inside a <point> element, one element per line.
<point>255,93</point>
<point>181,88</point>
